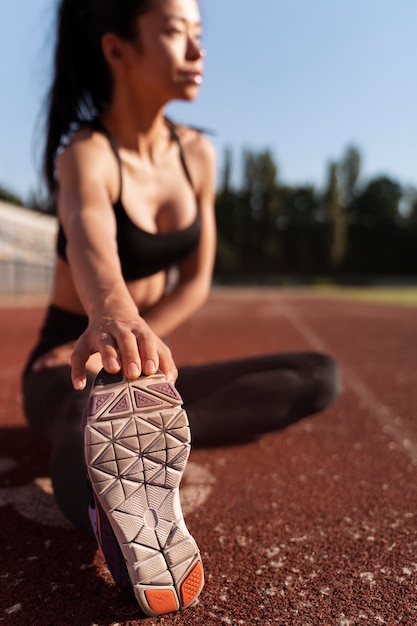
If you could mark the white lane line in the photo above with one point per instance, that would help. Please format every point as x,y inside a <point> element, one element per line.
<point>391,424</point>
<point>197,487</point>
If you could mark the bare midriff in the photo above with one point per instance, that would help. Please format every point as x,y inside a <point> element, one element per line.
<point>145,293</point>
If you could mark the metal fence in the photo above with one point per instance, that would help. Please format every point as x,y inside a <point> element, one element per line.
<point>27,251</point>
<point>21,278</point>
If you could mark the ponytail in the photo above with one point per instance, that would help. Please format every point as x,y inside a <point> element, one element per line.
<point>81,85</point>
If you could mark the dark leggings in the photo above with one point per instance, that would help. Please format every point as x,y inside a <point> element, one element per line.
<point>227,402</point>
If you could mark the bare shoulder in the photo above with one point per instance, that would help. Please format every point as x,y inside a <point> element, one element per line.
<point>199,154</point>
<point>87,157</point>
<point>196,144</point>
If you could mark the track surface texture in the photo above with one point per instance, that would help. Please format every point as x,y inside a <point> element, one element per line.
<point>313,525</point>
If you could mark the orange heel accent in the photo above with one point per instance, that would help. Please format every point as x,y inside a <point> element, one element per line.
<point>161,601</point>
<point>192,584</point>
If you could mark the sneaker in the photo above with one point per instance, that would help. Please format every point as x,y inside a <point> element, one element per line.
<point>137,443</point>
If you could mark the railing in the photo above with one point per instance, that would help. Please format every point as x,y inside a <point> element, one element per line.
<point>17,277</point>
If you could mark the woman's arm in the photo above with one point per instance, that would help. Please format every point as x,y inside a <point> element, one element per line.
<point>87,181</point>
<point>195,272</point>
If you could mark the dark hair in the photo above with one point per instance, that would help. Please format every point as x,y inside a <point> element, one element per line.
<point>81,86</point>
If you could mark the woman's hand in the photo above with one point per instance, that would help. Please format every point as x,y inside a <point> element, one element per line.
<point>128,346</point>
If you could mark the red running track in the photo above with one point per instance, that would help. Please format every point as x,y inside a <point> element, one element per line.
<point>311,526</point>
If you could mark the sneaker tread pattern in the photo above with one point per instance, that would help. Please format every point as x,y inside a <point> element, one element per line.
<point>137,443</point>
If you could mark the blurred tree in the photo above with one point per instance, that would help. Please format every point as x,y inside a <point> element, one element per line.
<point>348,175</point>
<point>300,225</point>
<point>333,202</point>
<point>409,207</point>
<point>10,197</point>
<point>228,217</point>
<point>261,206</point>
<point>348,229</point>
<point>298,206</point>
<point>378,203</point>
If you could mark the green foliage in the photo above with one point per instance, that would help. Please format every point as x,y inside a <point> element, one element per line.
<point>267,229</point>
<point>35,202</point>
<point>377,204</point>
<point>333,203</point>
<point>348,175</point>
<point>10,197</point>
<point>411,218</point>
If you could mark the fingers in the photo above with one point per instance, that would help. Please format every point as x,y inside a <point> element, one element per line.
<point>138,353</point>
<point>79,358</point>
<point>86,346</point>
<point>132,351</point>
<point>144,352</point>
<point>107,347</point>
<point>166,363</point>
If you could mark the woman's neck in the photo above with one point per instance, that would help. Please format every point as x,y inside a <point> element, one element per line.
<point>142,131</point>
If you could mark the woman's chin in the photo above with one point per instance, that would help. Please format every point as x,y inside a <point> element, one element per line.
<point>188,92</point>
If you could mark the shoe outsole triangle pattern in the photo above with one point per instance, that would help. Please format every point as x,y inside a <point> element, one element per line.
<point>137,443</point>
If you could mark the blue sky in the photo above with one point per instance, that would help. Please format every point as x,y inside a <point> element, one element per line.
<point>304,78</point>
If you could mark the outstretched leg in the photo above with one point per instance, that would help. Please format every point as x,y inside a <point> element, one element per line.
<point>235,401</point>
<point>227,402</point>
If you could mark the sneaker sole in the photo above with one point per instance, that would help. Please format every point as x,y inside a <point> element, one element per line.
<point>137,443</point>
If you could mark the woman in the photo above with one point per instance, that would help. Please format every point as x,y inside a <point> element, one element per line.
<point>134,196</point>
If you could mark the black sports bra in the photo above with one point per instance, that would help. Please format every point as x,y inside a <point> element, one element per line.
<point>143,253</point>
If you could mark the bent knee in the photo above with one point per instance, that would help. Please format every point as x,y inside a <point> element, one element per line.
<point>327,379</point>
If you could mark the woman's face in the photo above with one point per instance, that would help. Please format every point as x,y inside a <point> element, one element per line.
<point>168,63</point>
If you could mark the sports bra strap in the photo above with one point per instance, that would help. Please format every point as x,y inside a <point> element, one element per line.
<point>176,137</point>
<point>97,125</point>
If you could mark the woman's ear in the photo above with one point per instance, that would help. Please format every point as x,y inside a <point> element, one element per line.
<point>114,50</point>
